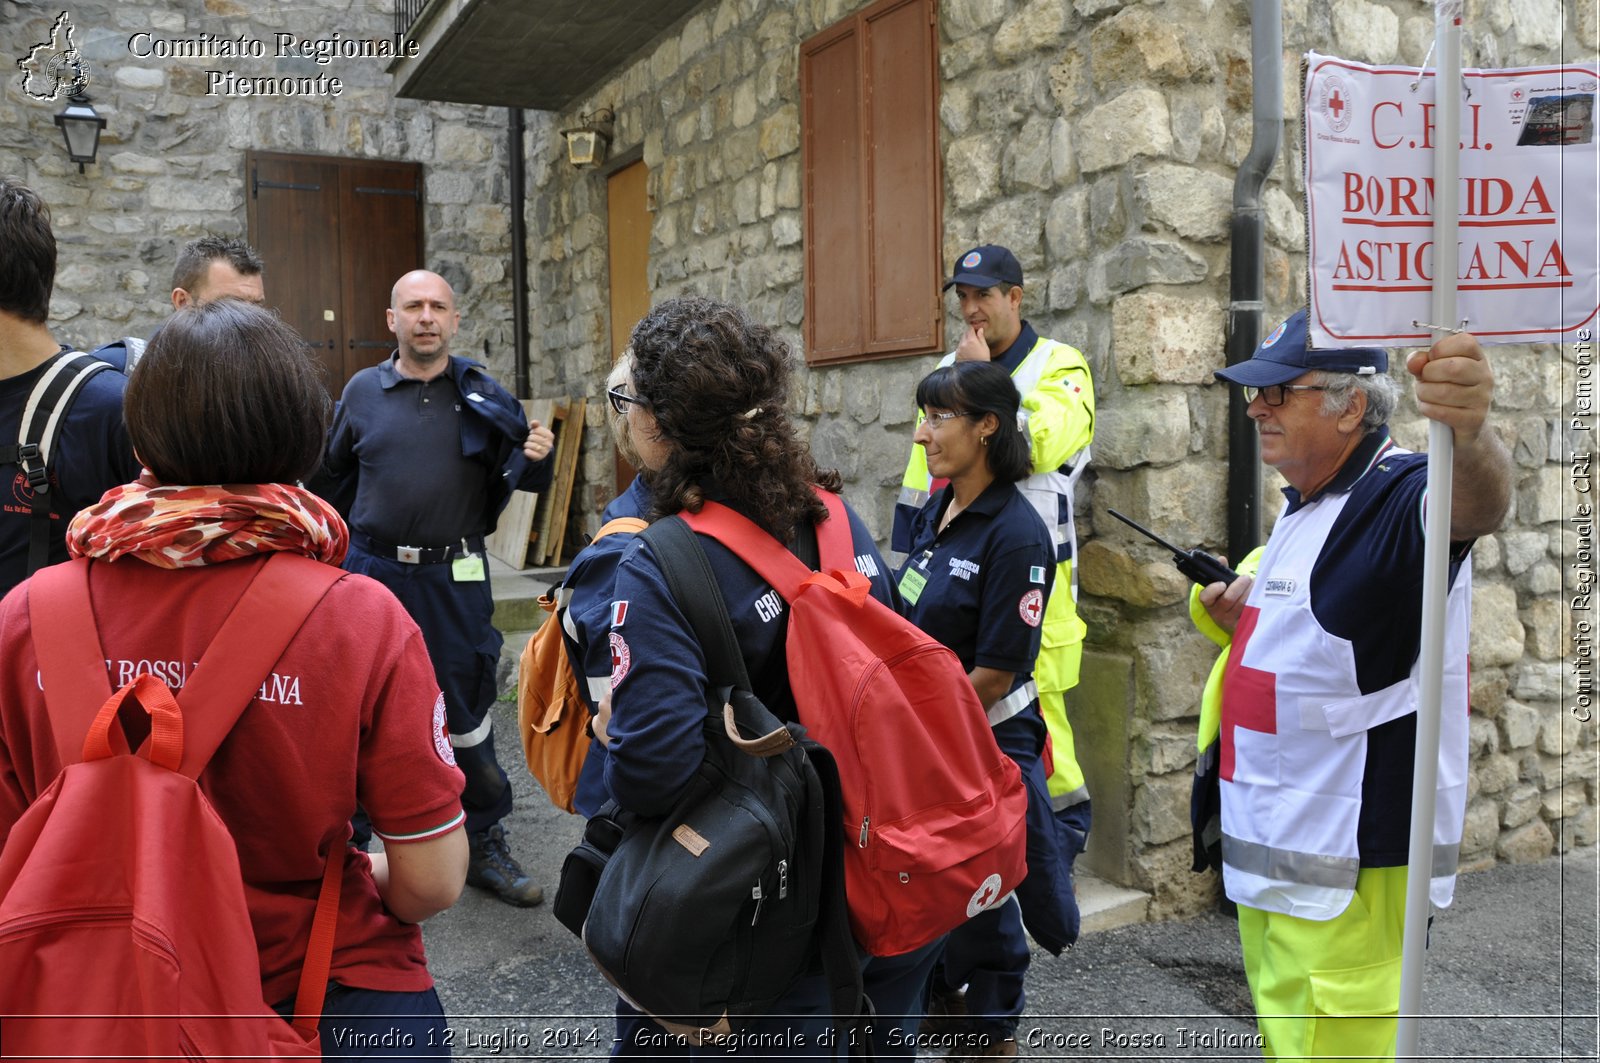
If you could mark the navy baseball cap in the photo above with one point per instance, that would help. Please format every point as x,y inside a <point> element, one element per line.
<point>989,266</point>
<point>1285,354</point>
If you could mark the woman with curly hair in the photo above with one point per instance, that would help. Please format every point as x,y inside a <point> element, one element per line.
<point>707,412</point>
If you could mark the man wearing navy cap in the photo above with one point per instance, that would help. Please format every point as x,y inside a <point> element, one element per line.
<point>1319,689</point>
<point>1058,418</point>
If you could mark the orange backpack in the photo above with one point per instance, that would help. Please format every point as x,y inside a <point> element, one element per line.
<point>550,713</point>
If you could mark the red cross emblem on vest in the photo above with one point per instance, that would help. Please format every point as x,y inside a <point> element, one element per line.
<point>1249,695</point>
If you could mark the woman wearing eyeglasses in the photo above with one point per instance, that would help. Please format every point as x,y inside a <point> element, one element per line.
<point>707,411</point>
<point>977,579</point>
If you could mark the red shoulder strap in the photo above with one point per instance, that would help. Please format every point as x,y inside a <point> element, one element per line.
<point>66,644</point>
<point>770,558</point>
<point>250,641</point>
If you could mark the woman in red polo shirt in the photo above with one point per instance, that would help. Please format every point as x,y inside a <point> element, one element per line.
<point>227,411</point>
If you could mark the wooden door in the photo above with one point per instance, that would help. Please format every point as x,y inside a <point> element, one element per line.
<point>335,234</point>
<point>293,214</point>
<point>380,219</point>
<point>628,244</point>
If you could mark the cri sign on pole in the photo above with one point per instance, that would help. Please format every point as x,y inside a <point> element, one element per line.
<point>1528,257</point>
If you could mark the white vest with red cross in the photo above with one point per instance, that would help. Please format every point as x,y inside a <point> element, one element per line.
<point>1294,736</point>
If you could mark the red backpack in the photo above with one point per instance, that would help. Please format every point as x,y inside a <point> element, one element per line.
<point>934,812</point>
<point>123,926</point>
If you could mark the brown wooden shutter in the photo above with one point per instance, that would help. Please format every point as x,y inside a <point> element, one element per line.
<point>869,92</point>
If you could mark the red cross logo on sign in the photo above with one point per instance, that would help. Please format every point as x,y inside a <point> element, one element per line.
<point>1336,104</point>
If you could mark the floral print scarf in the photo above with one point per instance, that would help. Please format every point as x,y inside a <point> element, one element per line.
<point>183,527</point>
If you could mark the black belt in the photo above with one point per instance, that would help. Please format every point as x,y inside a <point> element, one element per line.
<point>417,555</point>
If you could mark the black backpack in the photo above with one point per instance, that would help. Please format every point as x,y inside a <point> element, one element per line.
<point>703,918</point>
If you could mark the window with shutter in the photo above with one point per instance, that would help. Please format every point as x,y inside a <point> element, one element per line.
<point>869,120</point>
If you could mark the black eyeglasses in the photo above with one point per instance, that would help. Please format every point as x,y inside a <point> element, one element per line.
<point>620,399</point>
<point>1275,394</point>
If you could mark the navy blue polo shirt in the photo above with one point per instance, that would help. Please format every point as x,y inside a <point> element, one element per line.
<point>658,670</point>
<point>988,576</point>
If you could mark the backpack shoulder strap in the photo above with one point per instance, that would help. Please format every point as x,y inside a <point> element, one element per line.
<point>241,655</point>
<point>834,541</point>
<point>66,644</point>
<point>770,558</point>
<point>48,402</point>
<point>694,587</point>
<point>620,524</point>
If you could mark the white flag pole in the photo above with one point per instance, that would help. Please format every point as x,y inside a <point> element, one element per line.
<point>1436,557</point>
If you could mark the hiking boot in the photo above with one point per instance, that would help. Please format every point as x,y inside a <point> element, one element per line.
<point>947,1012</point>
<point>493,868</point>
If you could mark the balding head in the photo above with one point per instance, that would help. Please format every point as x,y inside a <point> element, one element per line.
<point>422,315</point>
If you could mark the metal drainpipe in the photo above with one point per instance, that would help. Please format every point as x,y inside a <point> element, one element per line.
<point>519,256</point>
<point>1246,283</point>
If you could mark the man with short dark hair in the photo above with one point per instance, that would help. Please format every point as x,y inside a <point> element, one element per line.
<point>424,453</point>
<point>1318,694</point>
<point>51,466</point>
<point>212,267</point>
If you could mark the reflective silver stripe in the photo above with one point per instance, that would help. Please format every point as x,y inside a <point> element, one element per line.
<point>1446,858</point>
<point>599,687</point>
<point>568,626</point>
<point>1070,798</point>
<point>476,736</point>
<point>910,496</point>
<point>1286,865</point>
<point>563,596</point>
<point>1013,703</point>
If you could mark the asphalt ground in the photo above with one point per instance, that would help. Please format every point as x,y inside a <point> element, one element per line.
<point>1511,969</point>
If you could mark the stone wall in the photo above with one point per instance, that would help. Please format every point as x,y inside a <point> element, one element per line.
<point>1099,139</point>
<point>171,161</point>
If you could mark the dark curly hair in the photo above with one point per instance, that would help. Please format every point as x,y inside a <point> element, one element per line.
<point>717,383</point>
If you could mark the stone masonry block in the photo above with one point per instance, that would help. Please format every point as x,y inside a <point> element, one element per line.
<point>1562,801</point>
<point>1194,203</point>
<point>1161,809</point>
<point>1578,830</point>
<point>1519,725</point>
<point>1480,831</point>
<point>1140,262</point>
<point>1497,634</point>
<point>1159,338</point>
<point>1153,429</point>
<point>1108,570</point>
<point>1495,773</point>
<point>1559,734</point>
<point>1549,628</point>
<point>1134,124</point>
<point>1488,691</point>
<point>1365,31</point>
<point>1539,680</point>
<point>1521,805</point>
<point>1039,25</point>
<point>1482,737</point>
<point>1527,844</point>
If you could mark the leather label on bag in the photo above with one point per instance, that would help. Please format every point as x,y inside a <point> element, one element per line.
<point>687,837</point>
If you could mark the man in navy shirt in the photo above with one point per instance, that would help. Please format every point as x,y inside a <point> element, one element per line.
<point>425,451</point>
<point>91,452</point>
